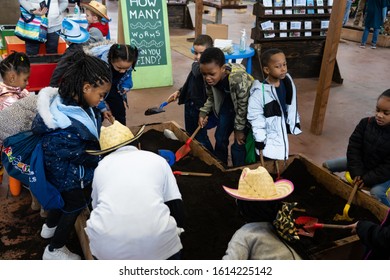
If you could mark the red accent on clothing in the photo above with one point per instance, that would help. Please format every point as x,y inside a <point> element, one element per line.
<point>103,27</point>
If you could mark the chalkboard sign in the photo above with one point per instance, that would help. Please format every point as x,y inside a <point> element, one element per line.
<point>145,25</point>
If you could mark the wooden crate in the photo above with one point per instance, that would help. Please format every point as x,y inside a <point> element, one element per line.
<point>355,35</point>
<point>346,248</point>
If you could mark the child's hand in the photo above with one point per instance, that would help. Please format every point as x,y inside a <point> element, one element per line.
<point>202,121</point>
<point>260,145</point>
<point>240,137</point>
<point>173,96</point>
<point>40,12</point>
<point>352,227</point>
<point>359,181</point>
<point>108,116</point>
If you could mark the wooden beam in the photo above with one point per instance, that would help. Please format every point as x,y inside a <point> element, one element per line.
<point>120,34</point>
<point>198,17</point>
<point>327,66</point>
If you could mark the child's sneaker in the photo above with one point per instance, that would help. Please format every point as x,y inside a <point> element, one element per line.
<point>373,46</point>
<point>62,253</point>
<point>362,46</point>
<point>47,232</point>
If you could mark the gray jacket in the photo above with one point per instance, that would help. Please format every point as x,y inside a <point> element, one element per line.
<point>18,117</point>
<point>258,241</point>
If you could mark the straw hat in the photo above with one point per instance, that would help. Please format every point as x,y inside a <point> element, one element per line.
<point>115,136</point>
<point>97,8</point>
<point>258,185</point>
<point>71,31</point>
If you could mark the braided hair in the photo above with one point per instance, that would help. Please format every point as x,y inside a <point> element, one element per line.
<point>16,61</point>
<point>123,52</point>
<point>85,69</point>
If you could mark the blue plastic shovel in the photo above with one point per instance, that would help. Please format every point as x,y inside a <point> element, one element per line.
<point>156,110</point>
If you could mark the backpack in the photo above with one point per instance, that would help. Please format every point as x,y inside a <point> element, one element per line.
<point>16,154</point>
<point>48,195</point>
<point>22,158</point>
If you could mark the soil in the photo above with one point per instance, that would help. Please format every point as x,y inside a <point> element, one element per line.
<point>212,216</point>
<point>20,229</point>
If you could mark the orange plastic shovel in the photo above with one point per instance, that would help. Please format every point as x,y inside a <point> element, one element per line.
<point>185,149</point>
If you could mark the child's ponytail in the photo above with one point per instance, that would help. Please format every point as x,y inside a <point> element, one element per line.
<point>123,52</point>
<point>16,61</point>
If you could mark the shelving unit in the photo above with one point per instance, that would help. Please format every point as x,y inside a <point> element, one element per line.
<point>303,51</point>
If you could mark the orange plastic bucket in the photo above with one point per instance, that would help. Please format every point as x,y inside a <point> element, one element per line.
<point>15,186</point>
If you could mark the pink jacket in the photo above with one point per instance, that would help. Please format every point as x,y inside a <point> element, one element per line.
<point>9,95</point>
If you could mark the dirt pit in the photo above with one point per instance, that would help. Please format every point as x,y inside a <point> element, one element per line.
<point>212,216</point>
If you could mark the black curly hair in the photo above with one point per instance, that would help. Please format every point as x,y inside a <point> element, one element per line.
<point>16,61</point>
<point>85,69</point>
<point>123,52</point>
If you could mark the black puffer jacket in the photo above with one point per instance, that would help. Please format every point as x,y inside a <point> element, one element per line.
<point>368,153</point>
<point>194,88</point>
<point>376,238</point>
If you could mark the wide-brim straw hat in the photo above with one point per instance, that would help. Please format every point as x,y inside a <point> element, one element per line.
<point>258,185</point>
<point>114,137</point>
<point>71,31</point>
<point>97,8</point>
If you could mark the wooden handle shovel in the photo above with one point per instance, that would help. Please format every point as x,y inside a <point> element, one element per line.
<point>185,173</point>
<point>185,149</point>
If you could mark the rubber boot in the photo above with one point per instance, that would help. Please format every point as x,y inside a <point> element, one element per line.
<point>15,186</point>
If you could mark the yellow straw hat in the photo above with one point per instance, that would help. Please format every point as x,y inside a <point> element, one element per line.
<point>97,8</point>
<point>258,185</point>
<point>115,136</point>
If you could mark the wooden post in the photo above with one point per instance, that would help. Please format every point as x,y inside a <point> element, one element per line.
<point>327,65</point>
<point>120,34</point>
<point>198,17</point>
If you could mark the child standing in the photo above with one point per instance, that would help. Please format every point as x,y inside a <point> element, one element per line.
<point>193,93</point>
<point>70,112</point>
<point>227,89</point>
<point>122,59</point>
<point>75,36</point>
<point>97,18</point>
<point>272,108</point>
<point>374,18</point>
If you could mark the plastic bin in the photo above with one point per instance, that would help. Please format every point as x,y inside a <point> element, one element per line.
<point>5,30</point>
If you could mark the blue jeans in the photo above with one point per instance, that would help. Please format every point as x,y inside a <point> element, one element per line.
<point>225,127</point>
<point>191,116</point>
<point>379,192</point>
<point>336,165</point>
<point>374,36</point>
<point>347,11</point>
<point>32,47</point>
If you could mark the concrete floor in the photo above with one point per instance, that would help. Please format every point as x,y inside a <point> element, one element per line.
<point>365,73</point>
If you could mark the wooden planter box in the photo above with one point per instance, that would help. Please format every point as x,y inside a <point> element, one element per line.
<point>346,248</point>
<point>355,35</point>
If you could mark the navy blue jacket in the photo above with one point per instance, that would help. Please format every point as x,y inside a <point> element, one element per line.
<point>67,165</point>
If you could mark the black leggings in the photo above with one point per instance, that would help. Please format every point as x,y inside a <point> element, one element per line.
<point>75,201</point>
<point>117,107</point>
